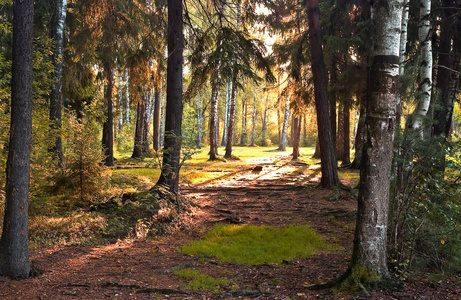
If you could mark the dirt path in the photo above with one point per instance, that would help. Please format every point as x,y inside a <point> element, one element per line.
<point>281,193</point>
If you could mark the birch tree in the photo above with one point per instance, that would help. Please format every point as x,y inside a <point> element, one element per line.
<point>425,73</point>
<point>369,257</point>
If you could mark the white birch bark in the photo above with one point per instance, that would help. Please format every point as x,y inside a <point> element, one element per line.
<point>425,73</point>
<point>369,258</point>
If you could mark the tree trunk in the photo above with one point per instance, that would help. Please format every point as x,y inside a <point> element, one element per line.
<point>199,120</point>
<point>442,119</point>
<point>108,126</point>
<point>340,132</point>
<point>264,129</point>
<point>283,143</point>
<point>59,17</point>
<point>120,101</point>
<point>14,253</point>
<point>214,117</point>
<point>226,113</point>
<point>156,120</point>
<point>253,131</point>
<point>147,120</point>
<point>127,95</point>
<point>425,71</point>
<point>327,148</point>
<point>162,115</point>
<point>346,151</point>
<point>243,136</point>
<point>138,149</point>
<point>305,144</point>
<point>296,137</point>
<point>231,118</point>
<point>333,102</point>
<point>369,257</point>
<point>174,105</point>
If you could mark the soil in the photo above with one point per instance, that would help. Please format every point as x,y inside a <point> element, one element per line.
<point>273,191</point>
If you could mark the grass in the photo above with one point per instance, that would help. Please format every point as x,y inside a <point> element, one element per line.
<point>201,281</point>
<point>254,245</point>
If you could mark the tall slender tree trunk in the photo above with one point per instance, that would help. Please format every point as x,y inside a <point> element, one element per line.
<point>226,113</point>
<point>340,132</point>
<point>283,143</point>
<point>442,119</point>
<point>58,20</point>
<point>333,102</point>
<point>127,96</point>
<point>14,252</point>
<point>108,126</point>
<point>304,143</point>
<point>253,131</point>
<point>138,149</point>
<point>156,120</point>
<point>264,129</point>
<point>199,120</point>
<point>162,114</point>
<point>120,102</point>
<point>174,105</point>
<point>296,137</point>
<point>214,117</point>
<point>346,151</point>
<point>231,120</point>
<point>243,136</point>
<point>369,257</point>
<point>425,71</point>
<point>327,147</point>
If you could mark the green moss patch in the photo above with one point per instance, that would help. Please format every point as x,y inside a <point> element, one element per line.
<point>201,281</point>
<point>254,245</point>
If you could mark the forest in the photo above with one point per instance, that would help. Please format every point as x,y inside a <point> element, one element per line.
<point>230,149</point>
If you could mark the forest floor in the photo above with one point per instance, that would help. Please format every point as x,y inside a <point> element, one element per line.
<point>282,193</point>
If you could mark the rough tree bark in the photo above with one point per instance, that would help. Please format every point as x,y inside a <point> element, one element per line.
<point>327,147</point>
<point>369,257</point>
<point>14,253</point>
<point>214,117</point>
<point>174,105</point>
